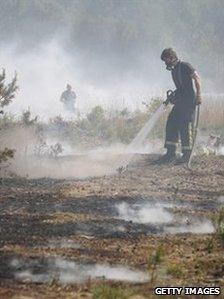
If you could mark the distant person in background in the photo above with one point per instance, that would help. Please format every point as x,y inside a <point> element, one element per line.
<point>68,99</point>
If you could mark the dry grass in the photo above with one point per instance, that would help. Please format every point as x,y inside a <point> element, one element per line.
<point>107,126</point>
<point>212,113</point>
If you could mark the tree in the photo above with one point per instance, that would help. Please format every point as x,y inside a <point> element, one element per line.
<point>7,94</point>
<point>7,91</point>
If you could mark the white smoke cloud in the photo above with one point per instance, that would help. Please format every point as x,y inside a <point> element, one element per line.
<point>43,73</point>
<point>68,272</point>
<point>144,213</point>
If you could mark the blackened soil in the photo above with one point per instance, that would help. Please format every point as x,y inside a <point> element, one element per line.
<point>35,212</point>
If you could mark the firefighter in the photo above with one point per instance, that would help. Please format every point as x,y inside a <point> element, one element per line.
<point>180,120</point>
<point>68,99</point>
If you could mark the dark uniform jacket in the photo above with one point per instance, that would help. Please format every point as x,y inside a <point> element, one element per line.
<point>182,75</point>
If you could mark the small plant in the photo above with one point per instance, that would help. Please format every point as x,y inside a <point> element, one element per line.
<point>104,291</point>
<point>27,119</point>
<point>6,154</point>
<point>54,282</point>
<point>48,151</point>
<point>96,115</point>
<point>210,245</point>
<point>154,105</point>
<point>219,225</point>
<point>175,271</point>
<point>176,189</point>
<point>154,261</point>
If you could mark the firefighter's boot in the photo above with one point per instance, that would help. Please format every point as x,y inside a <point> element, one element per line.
<point>169,157</point>
<point>184,159</point>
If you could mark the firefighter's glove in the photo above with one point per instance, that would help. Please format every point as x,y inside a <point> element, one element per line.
<point>165,103</point>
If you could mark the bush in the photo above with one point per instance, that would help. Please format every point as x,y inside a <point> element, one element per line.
<point>175,271</point>
<point>96,115</point>
<point>219,224</point>
<point>104,291</point>
<point>6,154</point>
<point>154,262</point>
<point>27,119</point>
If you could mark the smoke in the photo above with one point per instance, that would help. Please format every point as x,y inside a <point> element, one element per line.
<point>160,213</point>
<point>63,243</point>
<point>197,227</point>
<point>144,214</point>
<point>42,76</point>
<point>72,162</point>
<point>37,156</point>
<point>70,270</point>
<point>63,167</point>
<point>67,272</point>
<point>221,200</point>
<point>21,139</point>
<point>109,53</point>
<point>115,65</point>
<point>44,71</point>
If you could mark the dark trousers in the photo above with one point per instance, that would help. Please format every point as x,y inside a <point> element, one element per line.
<point>179,126</point>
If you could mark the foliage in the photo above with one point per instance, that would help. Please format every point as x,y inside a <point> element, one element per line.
<point>96,115</point>
<point>87,133</point>
<point>212,115</point>
<point>219,224</point>
<point>210,245</point>
<point>7,91</point>
<point>154,261</point>
<point>175,271</point>
<point>26,118</point>
<point>49,151</point>
<point>153,105</point>
<point>7,94</point>
<point>102,127</point>
<point>105,291</point>
<point>6,154</point>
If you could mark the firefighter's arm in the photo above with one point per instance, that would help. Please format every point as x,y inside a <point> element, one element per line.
<point>197,83</point>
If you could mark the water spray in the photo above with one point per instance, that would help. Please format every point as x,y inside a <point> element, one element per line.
<point>142,135</point>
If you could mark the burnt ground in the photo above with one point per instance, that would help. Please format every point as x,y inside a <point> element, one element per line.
<point>81,221</point>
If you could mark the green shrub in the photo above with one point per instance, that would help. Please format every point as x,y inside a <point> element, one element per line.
<point>219,224</point>
<point>6,154</point>
<point>175,271</point>
<point>104,291</point>
<point>154,262</point>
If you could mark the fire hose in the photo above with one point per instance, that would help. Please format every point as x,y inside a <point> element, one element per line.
<point>195,130</point>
